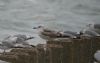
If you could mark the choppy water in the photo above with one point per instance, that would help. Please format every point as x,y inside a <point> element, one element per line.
<point>19,16</point>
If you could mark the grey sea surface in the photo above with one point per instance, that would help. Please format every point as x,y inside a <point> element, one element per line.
<point>19,16</point>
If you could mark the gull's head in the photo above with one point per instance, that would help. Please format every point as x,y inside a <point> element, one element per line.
<point>39,27</point>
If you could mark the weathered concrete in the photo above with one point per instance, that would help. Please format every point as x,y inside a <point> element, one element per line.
<point>56,51</point>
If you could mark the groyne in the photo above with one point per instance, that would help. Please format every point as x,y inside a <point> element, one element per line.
<point>56,51</point>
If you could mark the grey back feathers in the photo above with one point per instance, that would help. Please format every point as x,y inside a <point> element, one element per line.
<point>22,38</point>
<point>68,34</point>
<point>72,33</point>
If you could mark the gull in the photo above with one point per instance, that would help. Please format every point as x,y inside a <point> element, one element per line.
<point>90,31</point>
<point>13,41</point>
<point>46,33</point>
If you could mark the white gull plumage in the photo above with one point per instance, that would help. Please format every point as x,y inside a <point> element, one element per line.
<point>13,41</point>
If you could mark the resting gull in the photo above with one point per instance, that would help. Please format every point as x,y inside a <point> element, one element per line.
<point>90,31</point>
<point>15,41</point>
<point>46,34</point>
